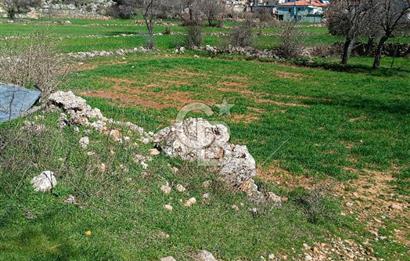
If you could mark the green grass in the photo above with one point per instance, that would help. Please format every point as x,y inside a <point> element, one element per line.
<point>321,121</point>
<point>124,210</point>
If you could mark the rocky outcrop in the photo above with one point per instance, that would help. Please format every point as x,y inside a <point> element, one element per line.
<point>199,140</point>
<point>196,139</point>
<point>76,111</point>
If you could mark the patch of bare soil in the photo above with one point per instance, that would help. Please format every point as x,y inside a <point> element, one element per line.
<point>370,197</point>
<point>127,93</point>
<point>290,75</point>
<point>179,73</point>
<point>274,173</point>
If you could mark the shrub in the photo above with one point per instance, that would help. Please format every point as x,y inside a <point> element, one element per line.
<point>315,204</point>
<point>167,30</point>
<point>242,35</point>
<point>35,63</point>
<point>194,36</point>
<point>291,40</point>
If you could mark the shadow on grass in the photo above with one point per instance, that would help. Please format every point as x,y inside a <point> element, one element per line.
<point>355,68</point>
<point>369,105</point>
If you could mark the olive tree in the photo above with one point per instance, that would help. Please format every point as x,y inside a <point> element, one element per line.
<point>393,16</point>
<point>349,18</point>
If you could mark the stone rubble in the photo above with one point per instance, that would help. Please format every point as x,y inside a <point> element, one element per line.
<point>44,182</point>
<point>196,139</point>
<point>84,141</point>
<point>337,249</point>
<point>77,112</point>
<point>119,52</point>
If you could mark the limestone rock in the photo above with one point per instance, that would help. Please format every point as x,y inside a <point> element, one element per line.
<point>168,258</point>
<point>180,188</point>
<point>196,139</point>
<point>166,188</point>
<point>168,207</point>
<point>190,202</point>
<point>205,255</point>
<point>44,182</point>
<point>84,141</point>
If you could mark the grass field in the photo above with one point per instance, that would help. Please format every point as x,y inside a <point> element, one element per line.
<point>345,129</point>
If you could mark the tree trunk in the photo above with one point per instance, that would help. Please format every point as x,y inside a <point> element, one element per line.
<point>378,54</point>
<point>369,45</point>
<point>347,49</point>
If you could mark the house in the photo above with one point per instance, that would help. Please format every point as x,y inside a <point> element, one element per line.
<point>302,10</point>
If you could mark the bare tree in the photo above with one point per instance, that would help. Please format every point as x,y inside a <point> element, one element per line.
<point>393,16</point>
<point>149,14</point>
<point>212,10</point>
<point>35,64</point>
<point>14,7</point>
<point>291,40</point>
<point>349,19</point>
<point>151,9</point>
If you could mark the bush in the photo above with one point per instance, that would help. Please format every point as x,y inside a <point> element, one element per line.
<point>242,35</point>
<point>194,36</point>
<point>167,30</point>
<point>35,63</point>
<point>316,206</point>
<point>291,40</point>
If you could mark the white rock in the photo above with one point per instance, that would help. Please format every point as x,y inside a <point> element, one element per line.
<point>168,258</point>
<point>84,141</point>
<point>180,188</point>
<point>190,202</point>
<point>204,255</point>
<point>196,139</point>
<point>154,152</point>
<point>44,182</point>
<point>166,188</point>
<point>207,184</point>
<point>70,200</point>
<point>103,167</point>
<point>168,207</point>
<point>235,207</point>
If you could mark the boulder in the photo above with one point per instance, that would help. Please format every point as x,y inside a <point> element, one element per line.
<point>44,182</point>
<point>196,139</point>
<point>204,255</point>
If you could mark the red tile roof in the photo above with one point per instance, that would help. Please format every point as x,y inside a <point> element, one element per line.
<point>315,3</point>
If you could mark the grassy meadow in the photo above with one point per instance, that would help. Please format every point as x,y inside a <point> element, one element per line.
<point>344,130</point>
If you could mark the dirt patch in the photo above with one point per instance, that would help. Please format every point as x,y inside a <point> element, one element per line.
<point>234,84</point>
<point>252,115</point>
<point>290,75</point>
<point>179,73</point>
<point>372,197</point>
<point>126,92</point>
<point>274,173</point>
<point>244,118</point>
<point>125,99</point>
<point>283,104</point>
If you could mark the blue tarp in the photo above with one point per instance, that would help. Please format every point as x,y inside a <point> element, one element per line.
<point>15,100</point>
